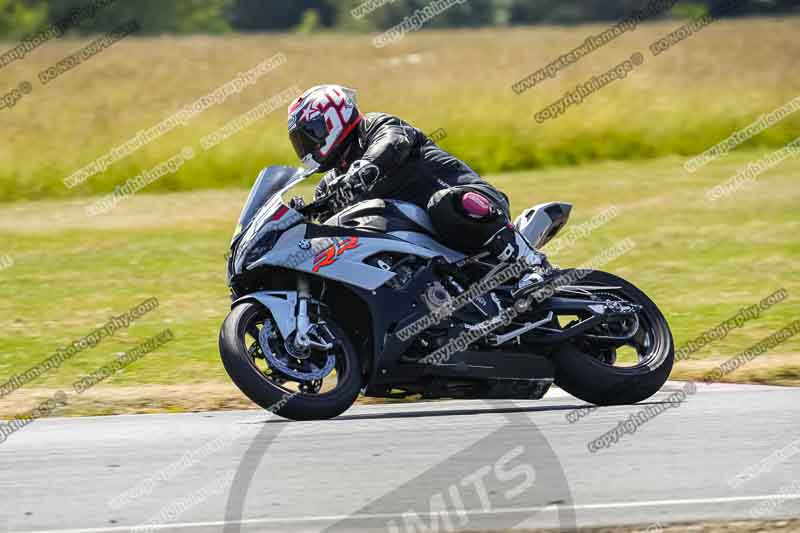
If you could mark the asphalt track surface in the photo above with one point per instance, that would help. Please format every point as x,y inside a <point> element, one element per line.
<point>433,466</point>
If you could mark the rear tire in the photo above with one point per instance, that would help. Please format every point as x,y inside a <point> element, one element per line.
<point>597,382</point>
<point>265,392</point>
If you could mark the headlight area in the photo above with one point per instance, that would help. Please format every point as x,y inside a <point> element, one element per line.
<point>259,248</point>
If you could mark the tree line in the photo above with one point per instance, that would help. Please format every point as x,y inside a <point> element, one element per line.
<point>19,18</point>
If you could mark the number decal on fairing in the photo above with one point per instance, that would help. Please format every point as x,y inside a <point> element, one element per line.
<point>324,258</point>
<point>329,255</point>
<point>347,244</point>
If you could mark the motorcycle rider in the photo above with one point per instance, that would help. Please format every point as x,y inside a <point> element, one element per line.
<point>377,155</point>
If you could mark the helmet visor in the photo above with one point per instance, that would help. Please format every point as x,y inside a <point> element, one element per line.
<point>308,136</point>
<point>303,145</point>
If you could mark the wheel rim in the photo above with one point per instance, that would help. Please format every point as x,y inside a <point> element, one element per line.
<point>643,349</point>
<point>331,365</point>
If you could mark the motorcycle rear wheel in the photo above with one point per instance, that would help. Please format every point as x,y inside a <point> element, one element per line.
<point>584,373</point>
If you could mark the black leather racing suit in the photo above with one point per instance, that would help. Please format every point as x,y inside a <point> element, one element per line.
<point>414,169</point>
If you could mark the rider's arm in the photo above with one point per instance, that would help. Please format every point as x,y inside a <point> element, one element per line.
<point>389,143</point>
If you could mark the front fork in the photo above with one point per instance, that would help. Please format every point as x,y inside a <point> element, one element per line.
<point>302,341</point>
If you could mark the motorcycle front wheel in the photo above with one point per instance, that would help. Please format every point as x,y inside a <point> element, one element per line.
<point>312,386</point>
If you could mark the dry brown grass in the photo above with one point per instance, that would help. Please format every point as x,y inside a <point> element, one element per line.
<point>681,101</point>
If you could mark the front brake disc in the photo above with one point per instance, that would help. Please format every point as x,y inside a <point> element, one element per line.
<point>283,367</point>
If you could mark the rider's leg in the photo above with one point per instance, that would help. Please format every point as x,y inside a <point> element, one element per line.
<point>470,218</point>
<point>498,243</point>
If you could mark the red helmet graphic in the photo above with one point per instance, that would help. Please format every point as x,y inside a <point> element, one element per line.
<point>321,124</point>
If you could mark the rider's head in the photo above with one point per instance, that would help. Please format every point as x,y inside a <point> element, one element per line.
<point>321,125</point>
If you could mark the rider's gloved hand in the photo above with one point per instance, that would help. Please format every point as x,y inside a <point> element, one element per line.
<point>351,187</point>
<point>324,185</point>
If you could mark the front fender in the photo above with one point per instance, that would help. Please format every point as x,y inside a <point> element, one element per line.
<point>281,305</point>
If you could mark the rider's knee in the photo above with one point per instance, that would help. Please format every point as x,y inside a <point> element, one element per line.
<point>466,217</point>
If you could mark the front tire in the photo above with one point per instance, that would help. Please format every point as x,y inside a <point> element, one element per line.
<point>584,375</point>
<point>268,392</point>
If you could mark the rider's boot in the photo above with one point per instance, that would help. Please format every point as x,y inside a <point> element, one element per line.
<point>509,246</point>
<point>504,244</point>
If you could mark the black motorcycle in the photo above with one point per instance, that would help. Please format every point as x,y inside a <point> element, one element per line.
<point>370,301</point>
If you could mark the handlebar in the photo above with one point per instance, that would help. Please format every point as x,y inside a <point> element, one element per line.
<point>317,207</point>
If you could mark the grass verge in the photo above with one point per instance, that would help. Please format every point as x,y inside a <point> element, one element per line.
<point>700,261</point>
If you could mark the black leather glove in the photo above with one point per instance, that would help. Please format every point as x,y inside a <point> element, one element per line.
<point>324,185</point>
<point>351,188</point>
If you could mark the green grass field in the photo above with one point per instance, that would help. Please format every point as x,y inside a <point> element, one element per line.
<point>63,273</point>
<point>679,102</point>
<point>700,262</point>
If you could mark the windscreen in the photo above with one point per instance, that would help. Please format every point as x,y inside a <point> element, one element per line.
<point>271,181</point>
